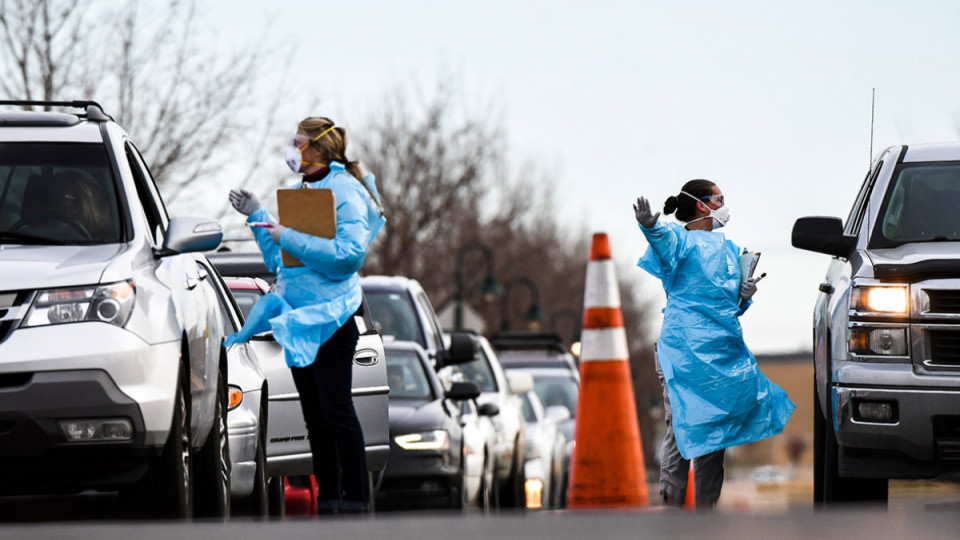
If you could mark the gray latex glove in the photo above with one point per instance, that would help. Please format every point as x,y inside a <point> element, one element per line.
<point>243,201</point>
<point>645,217</point>
<point>277,230</point>
<point>748,289</point>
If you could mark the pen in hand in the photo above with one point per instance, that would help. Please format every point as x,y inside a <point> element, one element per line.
<point>260,224</point>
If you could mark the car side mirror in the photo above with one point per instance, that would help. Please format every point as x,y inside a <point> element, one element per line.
<point>462,349</point>
<point>189,234</point>
<point>822,235</point>
<point>520,383</point>
<point>462,391</point>
<point>488,409</point>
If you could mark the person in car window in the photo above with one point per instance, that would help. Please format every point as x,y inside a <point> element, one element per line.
<point>312,311</point>
<point>714,394</point>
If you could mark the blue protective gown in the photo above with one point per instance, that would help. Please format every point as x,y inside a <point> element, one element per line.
<point>314,300</point>
<point>719,396</point>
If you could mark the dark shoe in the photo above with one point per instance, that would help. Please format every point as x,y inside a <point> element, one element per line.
<point>326,508</point>
<point>354,507</point>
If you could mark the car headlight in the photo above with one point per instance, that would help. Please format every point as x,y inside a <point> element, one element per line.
<point>885,299</point>
<point>111,303</point>
<point>884,341</point>
<point>427,440</point>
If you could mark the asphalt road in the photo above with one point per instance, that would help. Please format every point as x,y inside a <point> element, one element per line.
<point>927,518</point>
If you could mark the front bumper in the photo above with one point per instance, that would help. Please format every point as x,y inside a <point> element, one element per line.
<point>34,453</point>
<point>418,477</point>
<point>243,429</point>
<point>923,441</point>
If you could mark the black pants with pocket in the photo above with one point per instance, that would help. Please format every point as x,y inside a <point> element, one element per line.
<point>336,439</point>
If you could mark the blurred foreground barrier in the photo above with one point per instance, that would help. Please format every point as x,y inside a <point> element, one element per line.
<point>607,468</point>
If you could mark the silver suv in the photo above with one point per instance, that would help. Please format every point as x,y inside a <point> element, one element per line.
<point>112,373</point>
<point>886,327</point>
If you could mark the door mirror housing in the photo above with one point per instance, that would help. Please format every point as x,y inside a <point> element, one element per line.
<point>520,382</point>
<point>462,391</point>
<point>822,235</point>
<point>463,348</point>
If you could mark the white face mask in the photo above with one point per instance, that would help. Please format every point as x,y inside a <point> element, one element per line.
<point>720,216</point>
<point>292,158</point>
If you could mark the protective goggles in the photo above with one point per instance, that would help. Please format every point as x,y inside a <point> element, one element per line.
<point>716,198</point>
<point>300,141</point>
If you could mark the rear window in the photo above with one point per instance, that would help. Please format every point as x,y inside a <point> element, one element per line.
<point>557,391</point>
<point>55,193</point>
<point>395,314</point>
<point>920,206</point>
<point>406,376</point>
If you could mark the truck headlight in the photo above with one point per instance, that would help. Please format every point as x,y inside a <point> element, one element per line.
<point>878,341</point>
<point>885,299</point>
<point>111,303</point>
<point>427,440</point>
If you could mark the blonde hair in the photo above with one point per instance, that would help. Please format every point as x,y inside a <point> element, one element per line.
<point>333,145</point>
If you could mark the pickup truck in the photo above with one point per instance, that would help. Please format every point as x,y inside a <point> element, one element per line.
<point>886,327</point>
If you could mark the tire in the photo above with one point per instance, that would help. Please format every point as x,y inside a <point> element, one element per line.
<point>257,505</point>
<point>512,495</point>
<point>171,481</point>
<point>276,496</point>
<point>213,464</point>
<point>832,487</point>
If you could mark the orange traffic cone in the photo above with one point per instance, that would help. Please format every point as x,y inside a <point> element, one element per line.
<point>607,467</point>
<point>689,501</point>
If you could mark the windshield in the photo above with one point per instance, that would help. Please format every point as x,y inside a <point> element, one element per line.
<point>395,314</point>
<point>405,375</point>
<point>557,391</point>
<point>920,205</point>
<point>57,194</point>
<point>479,372</point>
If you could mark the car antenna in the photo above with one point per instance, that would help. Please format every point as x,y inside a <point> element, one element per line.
<point>873,104</point>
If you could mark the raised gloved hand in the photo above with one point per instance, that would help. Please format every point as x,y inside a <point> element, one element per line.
<point>276,231</point>
<point>645,217</point>
<point>748,289</point>
<point>243,201</point>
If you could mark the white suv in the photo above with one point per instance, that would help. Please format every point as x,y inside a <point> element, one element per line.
<point>112,370</point>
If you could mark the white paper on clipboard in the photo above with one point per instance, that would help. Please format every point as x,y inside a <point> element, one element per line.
<point>748,264</point>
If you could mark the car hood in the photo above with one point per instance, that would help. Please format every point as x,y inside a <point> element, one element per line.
<point>414,415</point>
<point>41,267</point>
<point>916,252</point>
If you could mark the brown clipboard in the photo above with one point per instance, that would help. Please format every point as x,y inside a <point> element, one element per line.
<point>307,210</point>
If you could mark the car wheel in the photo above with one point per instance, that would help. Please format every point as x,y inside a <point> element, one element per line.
<point>276,495</point>
<point>257,505</point>
<point>513,495</point>
<point>834,488</point>
<point>213,482</point>
<point>171,481</point>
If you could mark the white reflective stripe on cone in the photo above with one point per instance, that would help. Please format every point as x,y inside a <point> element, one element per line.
<point>604,344</point>
<point>601,289</point>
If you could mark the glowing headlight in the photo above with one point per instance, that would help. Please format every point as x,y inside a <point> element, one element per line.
<point>427,440</point>
<point>880,299</point>
<point>105,303</point>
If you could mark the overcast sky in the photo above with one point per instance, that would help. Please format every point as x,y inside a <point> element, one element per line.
<point>771,100</point>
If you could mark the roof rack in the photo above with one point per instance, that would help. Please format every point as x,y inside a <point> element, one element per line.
<point>93,110</point>
<point>527,340</point>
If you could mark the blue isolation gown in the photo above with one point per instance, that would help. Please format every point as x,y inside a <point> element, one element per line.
<point>313,301</point>
<point>719,396</point>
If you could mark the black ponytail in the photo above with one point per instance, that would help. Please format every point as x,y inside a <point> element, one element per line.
<point>670,205</point>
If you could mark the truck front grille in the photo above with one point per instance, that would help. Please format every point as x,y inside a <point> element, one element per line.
<point>10,304</point>
<point>944,301</point>
<point>945,347</point>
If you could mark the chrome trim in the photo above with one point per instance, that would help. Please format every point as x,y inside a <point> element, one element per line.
<point>363,391</point>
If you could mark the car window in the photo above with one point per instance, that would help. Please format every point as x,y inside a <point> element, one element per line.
<point>528,413</point>
<point>855,219</point>
<point>148,194</point>
<point>406,376</point>
<point>54,193</point>
<point>229,326</point>
<point>246,298</point>
<point>395,314</point>
<point>427,307</point>
<point>557,391</point>
<point>479,372</point>
<point>919,206</point>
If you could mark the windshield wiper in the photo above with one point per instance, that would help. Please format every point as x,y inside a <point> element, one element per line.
<point>21,238</point>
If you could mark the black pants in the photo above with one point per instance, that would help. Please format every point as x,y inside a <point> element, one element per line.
<point>336,439</point>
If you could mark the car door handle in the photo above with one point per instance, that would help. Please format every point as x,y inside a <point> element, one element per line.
<point>826,288</point>
<point>366,357</point>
